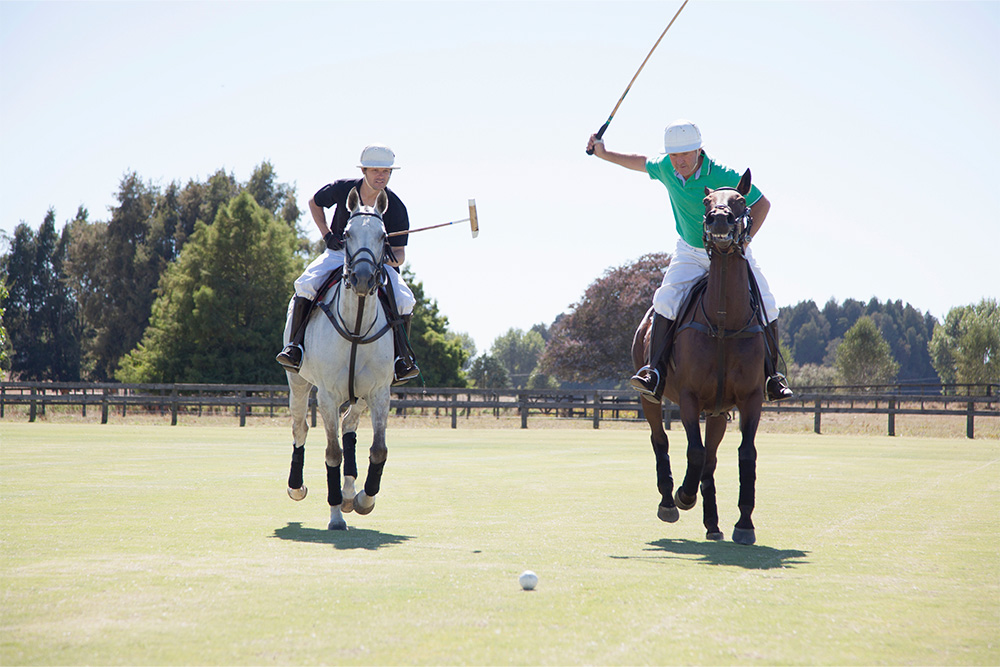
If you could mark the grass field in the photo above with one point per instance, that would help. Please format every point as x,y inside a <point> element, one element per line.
<point>150,544</point>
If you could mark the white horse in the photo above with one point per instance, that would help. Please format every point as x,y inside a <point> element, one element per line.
<point>348,358</point>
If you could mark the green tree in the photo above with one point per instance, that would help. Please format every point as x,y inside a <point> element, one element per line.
<point>487,372</point>
<point>40,315</point>
<point>221,307</point>
<point>965,348</point>
<point>4,341</point>
<point>440,353</point>
<point>114,269</point>
<point>865,358</point>
<point>278,198</point>
<point>518,352</point>
<point>592,342</point>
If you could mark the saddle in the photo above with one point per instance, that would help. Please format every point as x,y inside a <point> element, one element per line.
<point>685,316</point>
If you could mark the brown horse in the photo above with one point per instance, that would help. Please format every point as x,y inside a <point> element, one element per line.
<point>717,363</point>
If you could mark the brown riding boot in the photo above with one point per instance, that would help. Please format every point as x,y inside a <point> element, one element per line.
<point>776,386</point>
<point>405,366</point>
<point>651,378</point>
<point>291,356</point>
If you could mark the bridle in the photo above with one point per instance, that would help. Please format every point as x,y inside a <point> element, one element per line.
<point>357,258</point>
<point>739,228</point>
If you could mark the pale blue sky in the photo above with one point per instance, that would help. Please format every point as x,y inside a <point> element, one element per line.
<point>871,126</point>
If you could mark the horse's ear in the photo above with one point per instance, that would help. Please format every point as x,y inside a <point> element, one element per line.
<point>381,202</point>
<point>708,191</point>
<point>353,200</point>
<point>744,187</point>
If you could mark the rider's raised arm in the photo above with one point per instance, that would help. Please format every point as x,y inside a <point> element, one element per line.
<point>627,160</point>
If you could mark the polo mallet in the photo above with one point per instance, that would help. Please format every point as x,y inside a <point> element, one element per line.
<point>600,132</point>
<point>473,220</point>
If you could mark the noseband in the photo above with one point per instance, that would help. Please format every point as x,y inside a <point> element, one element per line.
<point>365,256</point>
<point>739,228</point>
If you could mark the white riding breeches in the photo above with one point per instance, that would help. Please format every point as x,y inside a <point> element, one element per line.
<point>308,284</point>
<point>687,265</point>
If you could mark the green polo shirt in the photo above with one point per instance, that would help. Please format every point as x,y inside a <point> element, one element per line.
<point>687,198</point>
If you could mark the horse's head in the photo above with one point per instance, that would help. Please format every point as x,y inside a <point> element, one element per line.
<point>364,244</point>
<point>727,217</point>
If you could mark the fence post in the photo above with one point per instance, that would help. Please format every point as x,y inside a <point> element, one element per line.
<point>892,417</point>
<point>522,402</point>
<point>666,409</point>
<point>454,410</point>
<point>970,419</point>
<point>104,406</point>
<point>3,394</point>
<point>818,416</point>
<point>34,408</point>
<point>597,410</point>
<point>173,406</point>
<point>243,407</point>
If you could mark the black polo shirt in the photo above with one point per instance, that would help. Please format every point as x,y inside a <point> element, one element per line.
<point>395,217</point>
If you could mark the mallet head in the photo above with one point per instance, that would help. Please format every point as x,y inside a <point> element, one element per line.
<point>473,218</point>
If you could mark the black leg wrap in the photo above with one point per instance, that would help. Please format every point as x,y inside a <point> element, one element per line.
<point>333,493</point>
<point>748,478</point>
<point>374,479</point>
<point>350,442</point>
<point>295,474</point>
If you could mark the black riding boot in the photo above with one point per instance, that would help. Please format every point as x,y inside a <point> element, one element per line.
<point>650,379</point>
<point>777,388</point>
<point>405,366</point>
<point>291,356</point>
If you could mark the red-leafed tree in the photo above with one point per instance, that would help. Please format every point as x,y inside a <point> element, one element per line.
<point>592,342</point>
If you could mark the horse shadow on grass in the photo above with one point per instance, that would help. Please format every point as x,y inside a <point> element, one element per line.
<point>353,538</point>
<point>723,553</point>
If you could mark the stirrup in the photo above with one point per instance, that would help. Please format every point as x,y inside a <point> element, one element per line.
<point>777,388</point>
<point>651,387</point>
<point>403,370</point>
<point>290,357</point>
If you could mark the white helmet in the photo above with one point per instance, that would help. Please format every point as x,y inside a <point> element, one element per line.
<point>681,136</point>
<point>377,156</point>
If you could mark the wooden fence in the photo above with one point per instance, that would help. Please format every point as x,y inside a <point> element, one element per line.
<point>245,401</point>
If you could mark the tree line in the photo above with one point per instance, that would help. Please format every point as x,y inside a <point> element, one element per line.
<point>187,283</point>
<point>191,284</point>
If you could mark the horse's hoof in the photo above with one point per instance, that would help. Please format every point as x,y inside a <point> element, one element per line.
<point>337,525</point>
<point>668,514</point>
<point>681,504</point>
<point>297,494</point>
<point>744,536</point>
<point>347,505</point>
<point>363,503</point>
<point>715,535</point>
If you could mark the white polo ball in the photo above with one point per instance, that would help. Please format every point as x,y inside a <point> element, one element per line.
<point>528,580</point>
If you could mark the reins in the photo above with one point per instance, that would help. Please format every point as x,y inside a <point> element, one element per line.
<point>751,328</point>
<point>355,337</point>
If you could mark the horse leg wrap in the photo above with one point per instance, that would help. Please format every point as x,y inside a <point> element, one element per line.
<point>374,479</point>
<point>295,474</point>
<point>664,478</point>
<point>350,443</point>
<point>333,495</point>
<point>748,479</point>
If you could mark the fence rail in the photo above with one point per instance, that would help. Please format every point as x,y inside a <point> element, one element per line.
<point>970,401</point>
